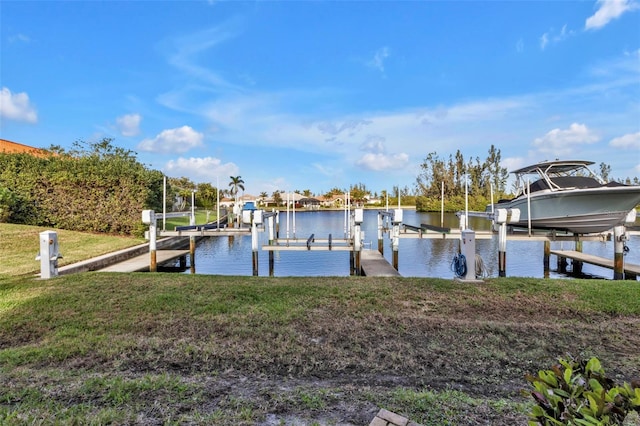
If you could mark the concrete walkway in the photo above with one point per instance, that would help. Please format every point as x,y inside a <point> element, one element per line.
<point>374,264</point>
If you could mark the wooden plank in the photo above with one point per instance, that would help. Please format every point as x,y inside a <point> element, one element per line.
<point>595,260</point>
<point>141,263</point>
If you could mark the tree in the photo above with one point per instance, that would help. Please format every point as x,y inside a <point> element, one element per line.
<point>277,198</point>
<point>605,172</point>
<point>236,184</point>
<point>263,197</point>
<point>497,174</point>
<point>207,195</point>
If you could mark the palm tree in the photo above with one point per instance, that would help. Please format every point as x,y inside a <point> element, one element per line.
<point>236,184</point>
<point>263,197</point>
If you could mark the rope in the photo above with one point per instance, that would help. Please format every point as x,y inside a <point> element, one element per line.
<point>481,270</point>
<point>459,265</point>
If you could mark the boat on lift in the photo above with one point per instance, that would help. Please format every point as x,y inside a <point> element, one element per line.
<point>569,196</point>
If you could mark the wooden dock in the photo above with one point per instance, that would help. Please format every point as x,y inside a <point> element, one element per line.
<point>629,268</point>
<point>141,263</point>
<point>374,264</point>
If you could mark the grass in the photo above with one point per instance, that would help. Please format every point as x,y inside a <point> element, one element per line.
<point>99,348</point>
<point>21,244</point>
<point>117,344</point>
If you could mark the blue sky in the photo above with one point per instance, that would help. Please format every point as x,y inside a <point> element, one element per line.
<point>295,95</point>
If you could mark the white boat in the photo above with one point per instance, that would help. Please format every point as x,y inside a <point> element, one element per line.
<point>569,196</point>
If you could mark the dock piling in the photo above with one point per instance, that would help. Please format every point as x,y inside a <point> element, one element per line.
<point>619,238</point>
<point>546,257</point>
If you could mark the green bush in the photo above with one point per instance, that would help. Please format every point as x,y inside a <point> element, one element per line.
<point>7,203</point>
<point>577,392</point>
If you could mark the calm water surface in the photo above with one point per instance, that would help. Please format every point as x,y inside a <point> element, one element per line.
<point>416,257</point>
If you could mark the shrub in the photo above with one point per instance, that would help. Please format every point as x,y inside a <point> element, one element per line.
<point>577,392</point>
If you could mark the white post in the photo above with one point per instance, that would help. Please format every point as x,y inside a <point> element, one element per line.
<point>345,216</point>
<point>164,203</point>
<point>528,207</point>
<point>217,204</point>
<point>442,204</point>
<point>287,215</point>
<point>193,208</point>
<point>466,200</point>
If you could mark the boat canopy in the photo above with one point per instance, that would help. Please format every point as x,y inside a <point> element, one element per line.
<point>561,167</point>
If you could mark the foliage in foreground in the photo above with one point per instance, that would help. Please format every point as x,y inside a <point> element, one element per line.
<point>92,188</point>
<point>577,392</point>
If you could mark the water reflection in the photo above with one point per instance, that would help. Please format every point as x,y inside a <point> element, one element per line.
<point>416,257</point>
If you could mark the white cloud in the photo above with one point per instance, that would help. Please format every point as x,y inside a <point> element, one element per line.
<point>544,40</point>
<point>559,143</point>
<point>377,62</point>
<point>16,106</point>
<point>178,140</point>
<point>206,169</point>
<point>19,38</point>
<point>380,161</point>
<point>129,124</point>
<point>551,36</point>
<point>609,10</point>
<point>628,141</point>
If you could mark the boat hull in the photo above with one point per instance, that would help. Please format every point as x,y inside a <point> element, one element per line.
<point>581,211</point>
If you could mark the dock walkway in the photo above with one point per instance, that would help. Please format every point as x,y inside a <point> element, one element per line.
<point>141,263</point>
<point>374,264</point>
<point>629,268</point>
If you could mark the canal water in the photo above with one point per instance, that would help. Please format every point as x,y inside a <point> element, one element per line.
<point>416,257</point>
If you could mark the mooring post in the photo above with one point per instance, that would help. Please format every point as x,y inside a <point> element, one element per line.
<point>357,219</point>
<point>577,265</point>
<point>380,240</point>
<point>395,239</point>
<point>500,218</point>
<point>270,225</point>
<point>254,218</point>
<point>619,238</point>
<point>502,250</point>
<point>546,256</point>
<point>149,218</point>
<point>192,238</point>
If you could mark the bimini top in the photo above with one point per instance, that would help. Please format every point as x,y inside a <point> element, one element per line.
<point>561,167</point>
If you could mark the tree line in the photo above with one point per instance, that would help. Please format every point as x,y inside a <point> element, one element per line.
<point>455,177</point>
<point>97,187</point>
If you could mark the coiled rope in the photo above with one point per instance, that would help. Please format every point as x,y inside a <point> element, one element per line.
<point>481,270</point>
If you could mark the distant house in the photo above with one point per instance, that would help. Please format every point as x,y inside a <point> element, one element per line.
<point>309,203</point>
<point>10,147</point>
<point>336,201</point>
